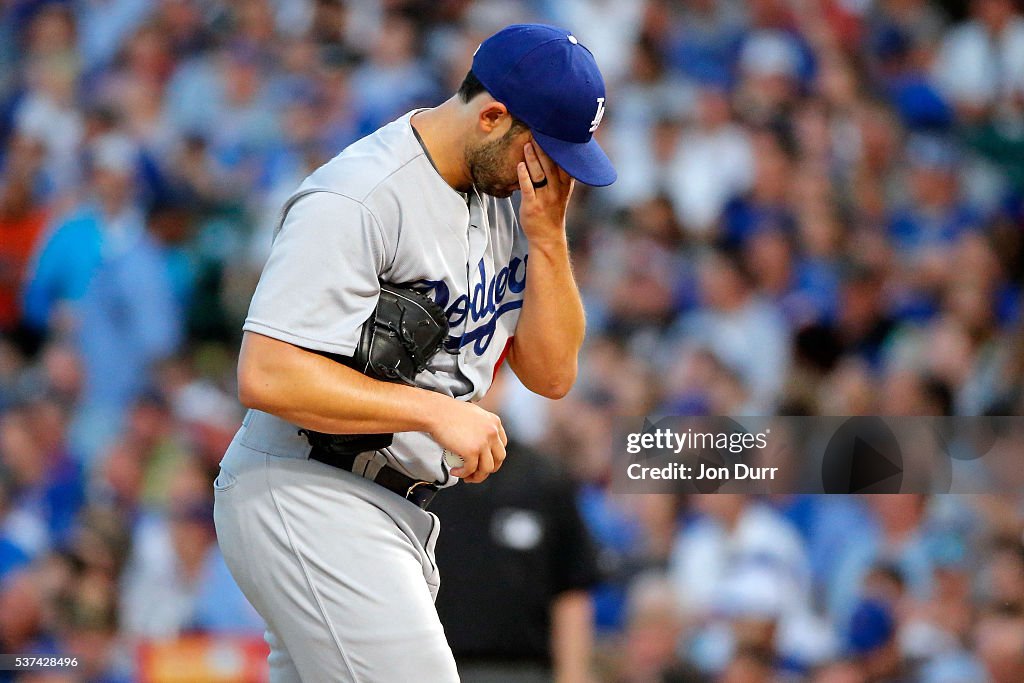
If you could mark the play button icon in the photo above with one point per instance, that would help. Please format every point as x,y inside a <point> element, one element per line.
<point>863,456</point>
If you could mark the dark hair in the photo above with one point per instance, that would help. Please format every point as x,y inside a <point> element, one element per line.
<point>471,87</point>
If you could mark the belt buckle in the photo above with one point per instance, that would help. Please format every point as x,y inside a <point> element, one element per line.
<point>413,487</point>
<point>422,503</point>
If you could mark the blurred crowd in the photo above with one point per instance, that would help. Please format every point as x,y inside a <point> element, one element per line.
<point>819,212</point>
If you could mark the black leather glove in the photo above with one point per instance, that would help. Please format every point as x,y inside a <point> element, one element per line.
<point>403,334</point>
<point>400,337</point>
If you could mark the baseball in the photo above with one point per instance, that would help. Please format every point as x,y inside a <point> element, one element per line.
<point>453,460</point>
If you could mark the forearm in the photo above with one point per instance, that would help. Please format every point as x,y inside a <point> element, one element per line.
<point>551,325</point>
<point>317,393</point>
<point>572,635</point>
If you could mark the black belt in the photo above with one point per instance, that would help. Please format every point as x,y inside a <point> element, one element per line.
<point>416,491</point>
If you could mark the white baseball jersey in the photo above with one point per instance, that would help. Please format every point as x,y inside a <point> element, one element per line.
<point>380,212</point>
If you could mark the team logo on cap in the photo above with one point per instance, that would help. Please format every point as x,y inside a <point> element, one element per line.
<point>598,116</point>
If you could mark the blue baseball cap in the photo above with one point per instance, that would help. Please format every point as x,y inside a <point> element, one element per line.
<point>872,625</point>
<point>546,78</point>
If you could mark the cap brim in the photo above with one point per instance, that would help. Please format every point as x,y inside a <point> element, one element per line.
<point>584,161</point>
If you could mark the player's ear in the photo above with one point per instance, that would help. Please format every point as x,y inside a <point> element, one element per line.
<point>492,115</point>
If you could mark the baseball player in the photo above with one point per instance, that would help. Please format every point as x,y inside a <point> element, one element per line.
<point>398,282</point>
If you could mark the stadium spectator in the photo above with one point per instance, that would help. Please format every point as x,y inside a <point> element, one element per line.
<point>22,220</point>
<point>106,224</point>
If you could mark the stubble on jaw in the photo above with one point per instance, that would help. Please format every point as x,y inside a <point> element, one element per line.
<point>488,165</point>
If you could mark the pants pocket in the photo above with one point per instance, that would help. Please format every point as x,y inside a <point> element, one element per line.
<point>225,481</point>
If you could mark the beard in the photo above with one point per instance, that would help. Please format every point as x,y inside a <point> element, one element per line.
<point>489,167</point>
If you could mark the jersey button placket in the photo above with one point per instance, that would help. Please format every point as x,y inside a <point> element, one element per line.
<point>477,239</point>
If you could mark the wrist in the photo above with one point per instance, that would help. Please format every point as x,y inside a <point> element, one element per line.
<point>428,411</point>
<point>543,226</point>
<point>555,241</point>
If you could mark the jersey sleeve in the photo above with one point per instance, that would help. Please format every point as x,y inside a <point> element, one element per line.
<point>320,282</point>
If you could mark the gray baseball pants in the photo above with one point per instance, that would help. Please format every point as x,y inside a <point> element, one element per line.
<point>341,570</point>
